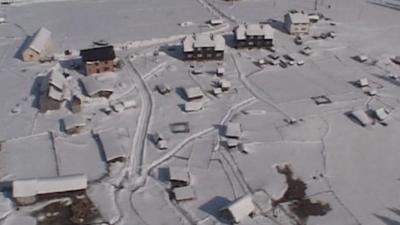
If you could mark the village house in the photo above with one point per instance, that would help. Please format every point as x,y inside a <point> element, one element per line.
<point>99,85</point>
<point>297,23</point>
<point>51,93</point>
<point>203,47</point>
<point>193,93</point>
<point>254,35</point>
<point>26,191</point>
<point>238,210</point>
<point>38,46</point>
<point>98,60</point>
<point>74,123</point>
<point>233,130</point>
<point>184,193</point>
<point>111,146</point>
<point>179,177</point>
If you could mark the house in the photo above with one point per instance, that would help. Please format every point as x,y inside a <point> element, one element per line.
<point>193,106</point>
<point>238,210</point>
<point>254,35</point>
<point>184,193</point>
<point>98,60</point>
<point>51,93</point>
<point>220,71</point>
<point>99,85</point>
<point>25,191</point>
<point>111,146</point>
<point>233,130</point>
<point>38,46</point>
<point>74,123</point>
<point>297,23</point>
<point>76,104</point>
<point>193,93</point>
<point>361,116</point>
<point>179,177</point>
<point>203,47</point>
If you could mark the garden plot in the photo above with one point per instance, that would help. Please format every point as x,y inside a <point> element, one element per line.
<point>28,157</point>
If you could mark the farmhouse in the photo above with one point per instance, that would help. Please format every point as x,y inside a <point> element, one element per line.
<point>111,146</point>
<point>39,45</point>
<point>254,35</point>
<point>25,191</point>
<point>203,47</point>
<point>99,85</point>
<point>51,94</point>
<point>297,23</point>
<point>99,59</point>
<point>238,210</point>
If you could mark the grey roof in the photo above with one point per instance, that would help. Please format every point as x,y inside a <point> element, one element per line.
<point>244,30</point>
<point>203,40</point>
<point>55,94</point>
<point>193,92</point>
<point>233,130</point>
<point>56,79</point>
<point>40,40</point>
<point>179,174</point>
<point>298,17</point>
<point>110,144</point>
<point>32,187</point>
<point>73,121</point>
<point>184,193</point>
<point>94,84</point>
<point>241,208</point>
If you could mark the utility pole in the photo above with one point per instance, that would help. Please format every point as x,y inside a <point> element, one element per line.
<point>316,5</point>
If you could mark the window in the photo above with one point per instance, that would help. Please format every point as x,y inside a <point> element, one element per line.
<point>189,56</point>
<point>97,70</point>
<point>96,63</point>
<point>219,54</point>
<point>106,68</point>
<point>209,55</point>
<point>251,43</point>
<point>199,55</point>
<point>303,29</point>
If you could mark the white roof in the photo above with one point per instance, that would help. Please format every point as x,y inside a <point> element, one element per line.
<point>299,18</point>
<point>193,92</point>
<point>110,144</point>
<point>73,121</point>
<point>232,142</point>
<point>233,130</point>
<point>362,117</point>
<point>381,113</point>
<point>225,83</point>
<point>93,84</point>
<point>244,30</point>
<point>179,174</point>
<point>40,40</point>
<point>55,78</point>
<point>32,187</point>
<point>363,82</point>
<point>184,193</point>
<point>55,94</point>
<point>193,106</point>
<point>203,40</point>
<point>241,208</point>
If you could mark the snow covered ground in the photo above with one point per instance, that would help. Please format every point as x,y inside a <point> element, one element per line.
<point>350,167</point>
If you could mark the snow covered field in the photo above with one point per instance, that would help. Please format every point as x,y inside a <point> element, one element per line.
<point>351,167</point>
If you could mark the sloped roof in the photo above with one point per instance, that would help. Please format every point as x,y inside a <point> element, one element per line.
<point>110,144</point>
<point>98,54</point>
<point>73,121</point>
<point>94,84</point>
<point>40,40</point>
<point>203,40</point>
<point>241,208</point>
<point>233,130</point>
<point>298,17</point>
<point>179,174</point>
<point>32,187</point>
<point>55,94</point>
<point>55,78</point>
<point>193,92</point>
<point>244,30</point>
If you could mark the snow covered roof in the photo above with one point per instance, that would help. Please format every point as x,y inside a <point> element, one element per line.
<point>40,40</point>
<point>55,94</point>
<point>32,187</point>
<point>362,117</point>
<point>381,113</point>
<point>203,41</point>
<point>73,121</point>
<point>94,84</point>
<point>111,146</point>
<point>241,208</point>
<point>184,193</point>
<point>179,174</point>
<point>244,30</point>
<point>233,130</point>
<point>298,17</point>
<point>193,92</point>
<point>193,106</point>
<point>55,78</point>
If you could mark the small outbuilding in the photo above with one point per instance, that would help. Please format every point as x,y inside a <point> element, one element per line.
<point>203,47</point>
<point>297,22</point>
<point>193,106</point>
<point>111,146</point>
<point>184,193</point>
<point>233,130</point>
<point>51,93</point>
<point>362,117</point>
<point>98,60</point>
<point>39,45</point>
<point>74,123</point>
<point>99,85</point>
<point>193,93</point>
<point>254,35</point>
<point>238,210</point>
<point>179,177</point>
<point>25,191</point>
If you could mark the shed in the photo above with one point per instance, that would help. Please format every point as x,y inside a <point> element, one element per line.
<point>74,123</point>
<point>192,93</point>
<point>193,106</point>
<point>381,114</point>
<point>363,82</point>
<point>224,84</point>
<point>239,209</point>
<point>220,71</point>
<point>361,117</point>
<point>25,191</point>
<point>233,130</point>
<point>111,147</point>
<point>38,45</point>
<point>98,86</point>
<point>179,176</point>
<point>184,193</point>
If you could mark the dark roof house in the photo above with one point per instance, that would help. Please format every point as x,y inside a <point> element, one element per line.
<point>98,54</point>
